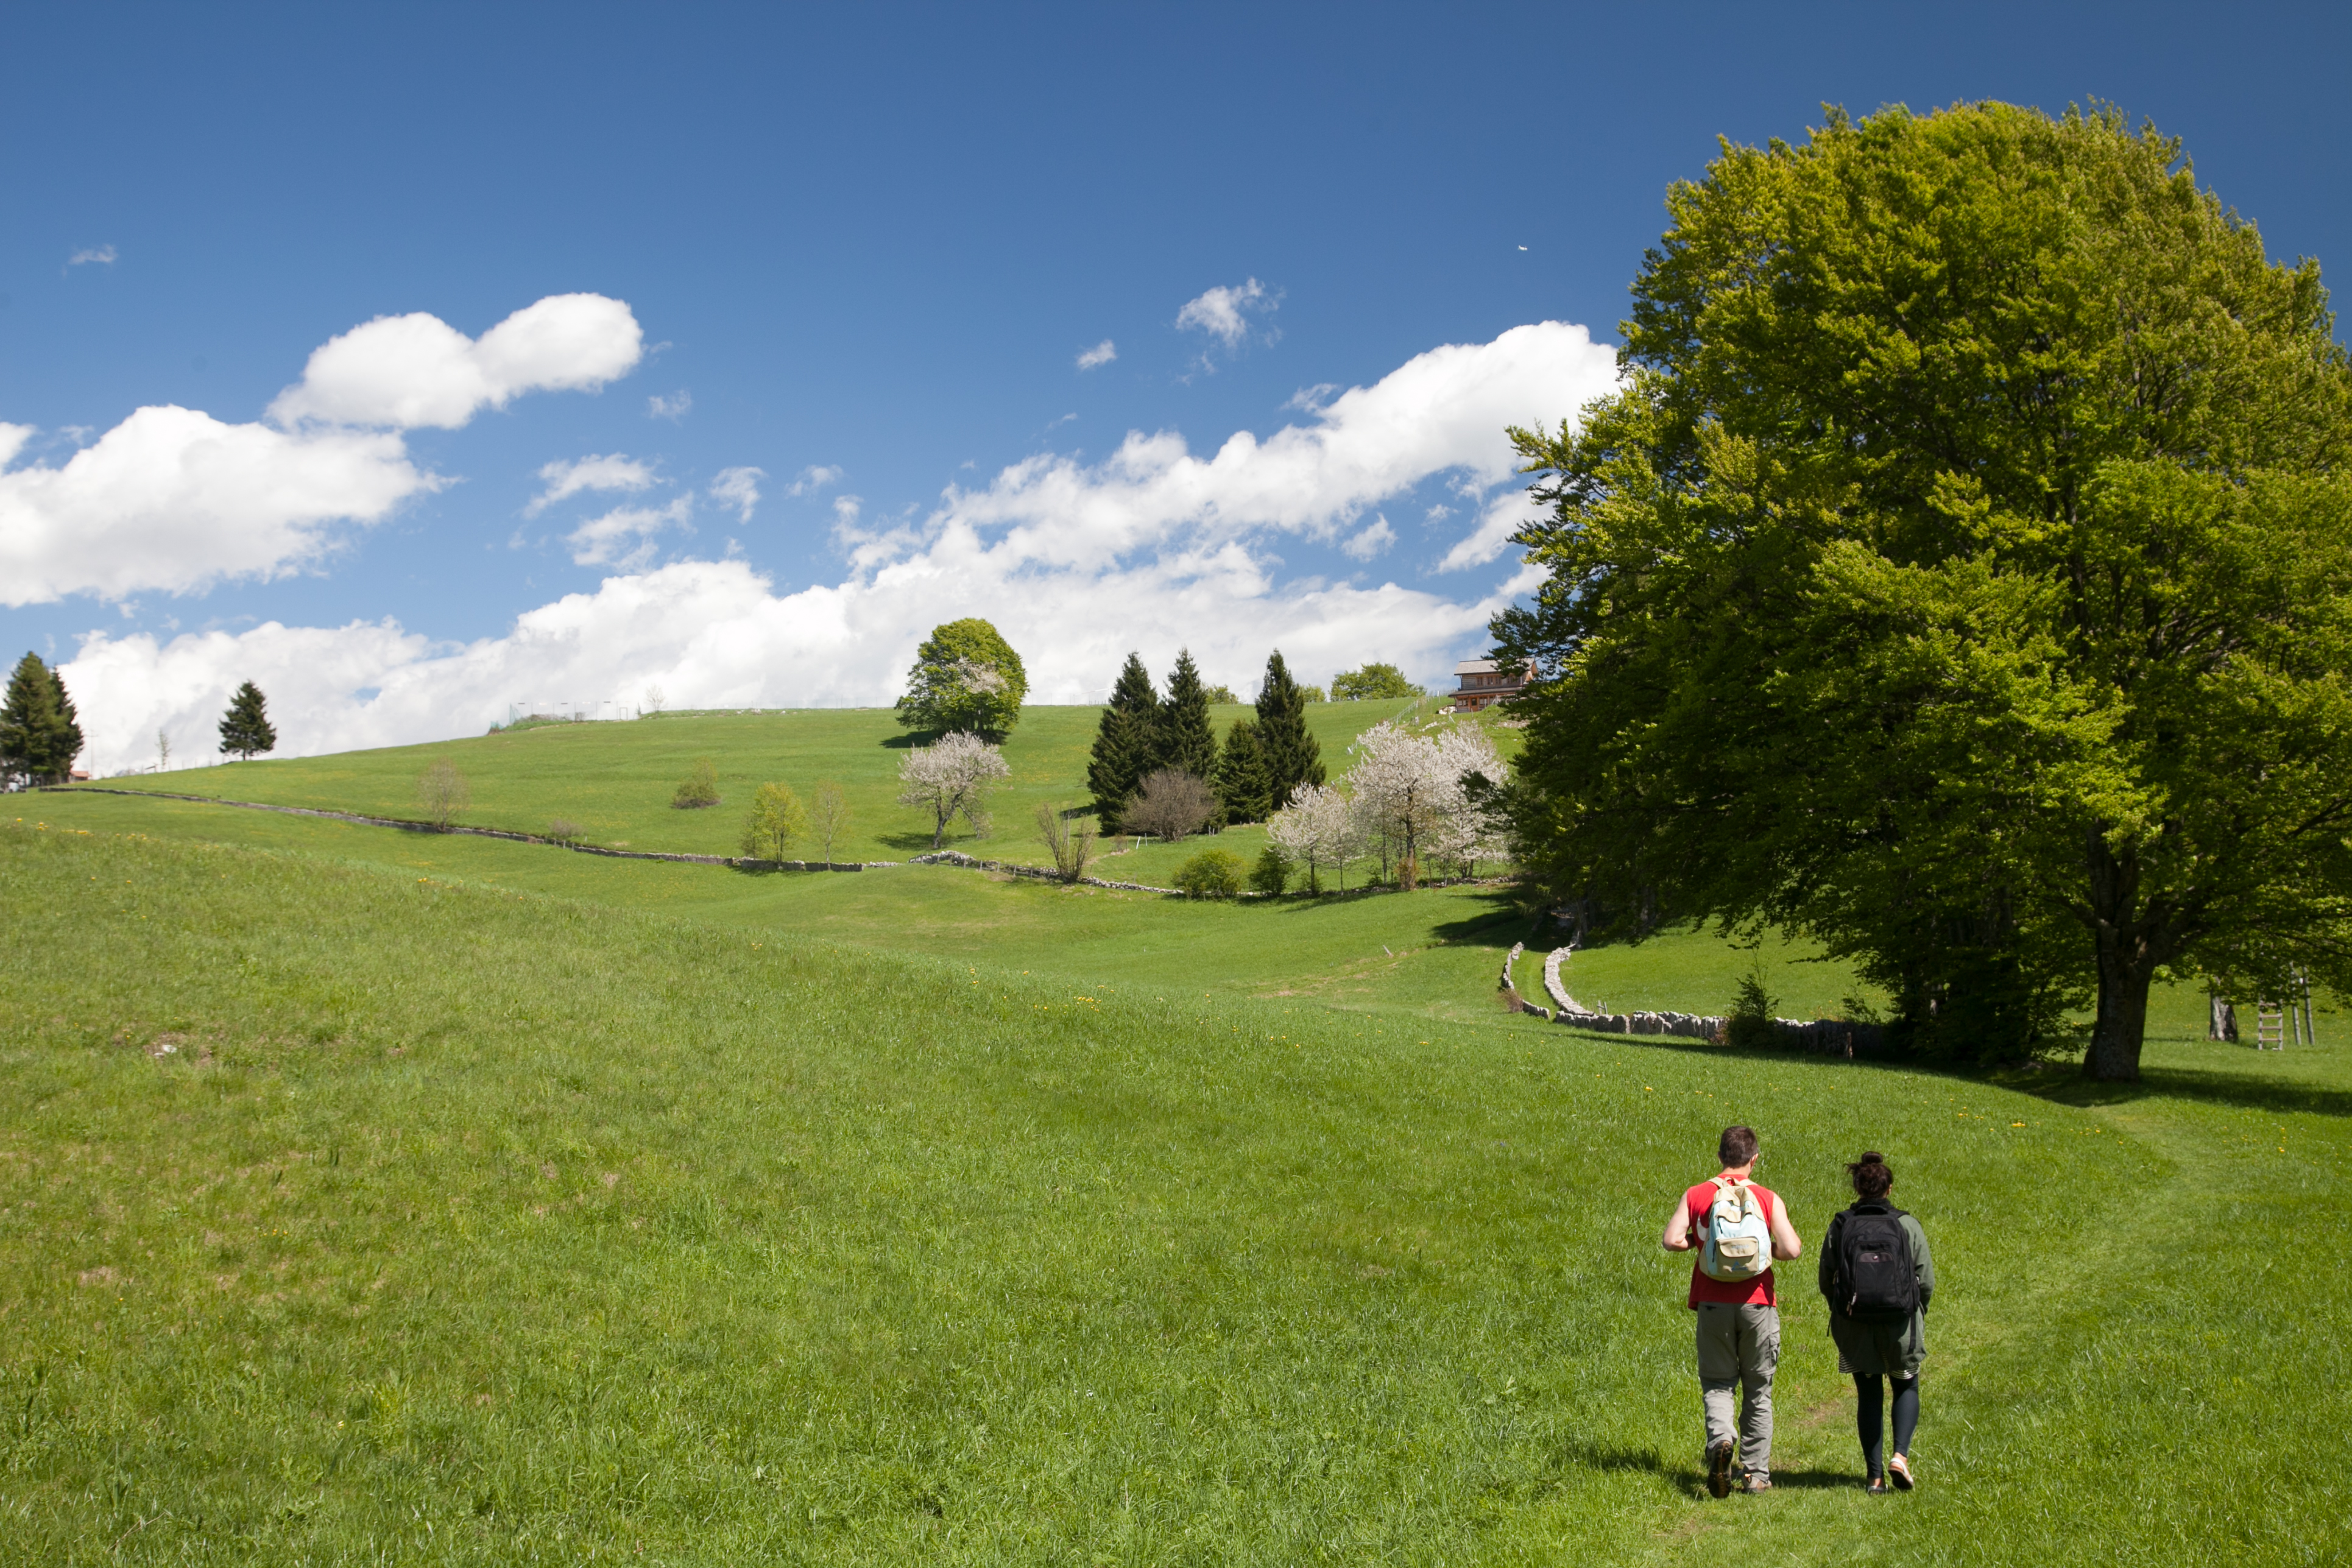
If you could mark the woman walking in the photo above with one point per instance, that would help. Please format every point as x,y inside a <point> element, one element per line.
<point>1877,1275</point>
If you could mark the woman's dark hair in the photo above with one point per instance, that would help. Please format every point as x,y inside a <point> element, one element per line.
<point>1872,1174</point>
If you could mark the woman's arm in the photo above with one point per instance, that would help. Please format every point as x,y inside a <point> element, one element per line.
<point>1923,1264</point>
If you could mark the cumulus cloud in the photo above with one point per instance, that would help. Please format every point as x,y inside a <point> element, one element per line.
<point>1102,352</point>
<point>1370,542</point>
<point>174,500</point>
<point>673,407</point>
<point>739,488</point>
<point>103,255</point>
<point>1505,515</point>
<point>610,472</point>
<point>417,371</point>
<point>624,537</point>
<point>1224,312</point>
<point>1152,548</point>
<point>812,479</point>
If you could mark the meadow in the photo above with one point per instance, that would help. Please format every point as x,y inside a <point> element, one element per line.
<point>387,1196</point>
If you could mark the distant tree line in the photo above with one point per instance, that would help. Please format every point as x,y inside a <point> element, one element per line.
<point>1158,767</point>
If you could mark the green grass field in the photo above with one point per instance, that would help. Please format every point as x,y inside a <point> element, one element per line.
<point>382,1196</point>
<point>615,781</point>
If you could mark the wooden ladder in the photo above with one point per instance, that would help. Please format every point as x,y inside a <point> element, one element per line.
<point>2270,1026</point>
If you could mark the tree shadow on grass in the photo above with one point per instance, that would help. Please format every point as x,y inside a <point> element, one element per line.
<point>916,842</point>
<point>1618,1459</point>
<point>2240,1092</point>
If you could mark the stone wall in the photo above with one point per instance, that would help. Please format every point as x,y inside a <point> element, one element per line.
<point>1825,1036</point>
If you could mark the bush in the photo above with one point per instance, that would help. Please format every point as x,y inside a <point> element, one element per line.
<point>564,830</point>
<point>1753,1011</point>
<point>1271,874</point>
<point>1172,804</point>
<point>698,788</point>
<point>1211,874</point>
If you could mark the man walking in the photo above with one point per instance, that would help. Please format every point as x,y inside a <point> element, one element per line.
<point>1739,1228</point>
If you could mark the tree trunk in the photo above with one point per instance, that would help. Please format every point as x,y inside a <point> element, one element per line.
<point>2127,957</point>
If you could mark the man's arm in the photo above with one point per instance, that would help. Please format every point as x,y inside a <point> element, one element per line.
<point>1678,1236</point>
<point>1785,1243</point>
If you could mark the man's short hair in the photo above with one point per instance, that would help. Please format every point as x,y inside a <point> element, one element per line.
<point>1736,1147</point>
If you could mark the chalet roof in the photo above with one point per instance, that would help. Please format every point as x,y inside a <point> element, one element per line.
<point>1474,667</point>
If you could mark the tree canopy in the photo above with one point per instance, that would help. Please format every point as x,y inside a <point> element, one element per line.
<point>39,733</point>
<point>966,678</point>
<point>245,730</point>
<point>1293,757</point>
<point>1963,574</point>
<point>1374,682</point>
<point>1126,744</point>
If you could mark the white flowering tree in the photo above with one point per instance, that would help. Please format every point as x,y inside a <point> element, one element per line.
<point>1414,792</point>
<point>952,778</point>
<point>1319,828</point>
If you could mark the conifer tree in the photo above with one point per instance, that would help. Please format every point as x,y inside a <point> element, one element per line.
<point>1187,740</point>
<point>246,729</point>
<point>38,736</point>
<point>1243,783</point>
<point>1292,756</point>
<point>1127,746</point>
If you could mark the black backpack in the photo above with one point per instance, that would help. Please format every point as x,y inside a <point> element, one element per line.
<point>1877,1279</point>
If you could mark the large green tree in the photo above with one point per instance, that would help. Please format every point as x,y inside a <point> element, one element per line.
<point>966,678</point>
<point>1187,739</point>
<point>1244,784</point>
<point>1963,574</point>
<point>1127,742</point>
<point>246,729</point>
<point>1293,755</point>
<point>39,735</point>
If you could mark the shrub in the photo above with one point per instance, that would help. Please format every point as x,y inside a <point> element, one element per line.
<point>775,823</point>
<point>1172,804</point>
<point>1752,1010</point>
<point>1071,841</point>
<point>1271,874</point>
<point>564,830</point>
<point>443,791</point>
<point>1211,874</point>
<point>698,788</point>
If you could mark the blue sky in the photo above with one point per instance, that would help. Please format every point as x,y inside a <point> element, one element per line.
<point>862,250</point>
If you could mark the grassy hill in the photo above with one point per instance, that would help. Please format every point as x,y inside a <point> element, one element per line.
<point>354,1216</point>
<point>615,780</point>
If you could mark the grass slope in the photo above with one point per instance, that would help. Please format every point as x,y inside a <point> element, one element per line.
<point>463,1224</point>
<point>615,781</point>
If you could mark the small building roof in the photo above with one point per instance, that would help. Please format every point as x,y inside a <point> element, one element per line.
<point>1474,667</point>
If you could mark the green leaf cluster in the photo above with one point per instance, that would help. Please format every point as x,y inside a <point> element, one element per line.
<point>775,823</point>
<point>41,735</point>
<point>1211,874</point>
<point>966,678</point>
<point>1963,574</point>
<point>1373,683</point>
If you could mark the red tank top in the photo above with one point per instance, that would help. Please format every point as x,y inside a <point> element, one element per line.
<point>1756,1292</point>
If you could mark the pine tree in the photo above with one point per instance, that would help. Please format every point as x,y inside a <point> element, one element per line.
<point>1293,757</point>
<point>1187,739</point>
<point>1127,746</point>
<point>246,729</point>
<point>38,736</point>
<point>1244,785</point>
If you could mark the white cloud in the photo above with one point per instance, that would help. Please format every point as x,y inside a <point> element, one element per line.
<point>813,478</point>
<point>416,370</point>
<point>739,488</point>
<point>104,255</point>
<point>1224,312</point>
<point>673,407</point>
<point>624,537</point>
<point>1363,546</point>
<point>174,500</point>
<point>594,472</point>
<point>1505,515</point>
<point>1150,549</point>
<point>1102,352</point>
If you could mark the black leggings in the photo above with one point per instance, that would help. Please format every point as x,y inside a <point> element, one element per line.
<point>1872,1398</point>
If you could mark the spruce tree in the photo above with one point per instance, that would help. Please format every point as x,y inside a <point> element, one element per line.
<point>1243,783</point>
<point>246,729</point>
<point>1292,756</point>
<point>38,736</point>
<point>1127,746</point>
<point>1187,739</point>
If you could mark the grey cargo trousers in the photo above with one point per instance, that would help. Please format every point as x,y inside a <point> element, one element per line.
<point>1739,1347</point>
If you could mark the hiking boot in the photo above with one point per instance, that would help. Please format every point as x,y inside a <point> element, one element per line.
<point>1756,1482</point>
<point>1718,1468</point>
<point>1875,1486</point>
<point>1898,1470</point>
